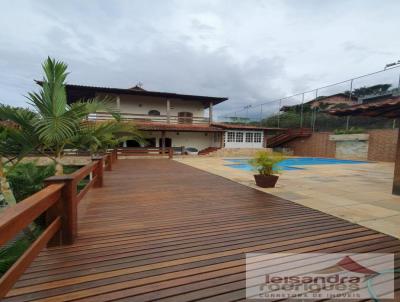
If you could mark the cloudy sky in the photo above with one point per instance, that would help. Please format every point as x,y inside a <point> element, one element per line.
<point>249,51</point>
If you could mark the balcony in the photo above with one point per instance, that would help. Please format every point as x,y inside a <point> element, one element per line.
<point>168,119</point>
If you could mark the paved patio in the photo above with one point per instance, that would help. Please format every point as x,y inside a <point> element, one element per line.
<point>359,193</point>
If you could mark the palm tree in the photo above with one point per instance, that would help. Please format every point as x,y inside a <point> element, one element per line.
<point>58,122</point>
<point>97,137</point>
<point>17,140</point>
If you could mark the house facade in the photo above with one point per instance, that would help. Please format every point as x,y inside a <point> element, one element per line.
<point>171,119</point>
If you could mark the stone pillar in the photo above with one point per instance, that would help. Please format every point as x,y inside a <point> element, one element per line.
<point>118,102</point>
<point>168,111</point>
<point>163,142</point>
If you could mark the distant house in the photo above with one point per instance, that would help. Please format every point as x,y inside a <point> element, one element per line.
<point>172,119</point>
<point>327,102</point>
<point>380,96</point>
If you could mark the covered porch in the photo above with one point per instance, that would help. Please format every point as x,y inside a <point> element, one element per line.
<point>179,136</point>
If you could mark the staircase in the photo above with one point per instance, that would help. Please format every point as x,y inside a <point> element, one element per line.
<point>208,150</point>
<point>287,136</point>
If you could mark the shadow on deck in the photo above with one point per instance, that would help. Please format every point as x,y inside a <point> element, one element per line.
<point>160,230</point>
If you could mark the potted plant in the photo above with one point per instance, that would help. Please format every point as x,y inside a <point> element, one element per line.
<point>265,163</point>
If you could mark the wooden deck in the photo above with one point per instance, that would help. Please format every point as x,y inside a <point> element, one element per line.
<point>160,230</point>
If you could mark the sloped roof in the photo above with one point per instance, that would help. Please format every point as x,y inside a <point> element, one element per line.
<point>76,92</point>
<point>389,108</point>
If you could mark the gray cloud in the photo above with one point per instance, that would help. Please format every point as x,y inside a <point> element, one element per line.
<point>250,51</point>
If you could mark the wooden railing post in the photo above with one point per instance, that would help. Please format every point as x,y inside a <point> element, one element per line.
<point>114,153</point>
<point>170,153</point>
<point>98,171</point>
<point>108,162</point>
<point>68,209</point>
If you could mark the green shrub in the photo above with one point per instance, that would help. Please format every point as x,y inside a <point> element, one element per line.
<point>352,130</point>
<point>265,162</point>
<point>27,178</point>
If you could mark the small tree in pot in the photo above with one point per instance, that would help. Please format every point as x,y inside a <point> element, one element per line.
<point>265,163</point>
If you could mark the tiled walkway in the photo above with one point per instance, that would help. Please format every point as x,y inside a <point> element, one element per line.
<point>359,193</point>
<point>161,230</point>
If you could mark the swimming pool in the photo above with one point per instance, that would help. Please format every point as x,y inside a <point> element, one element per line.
<point>290,163</point>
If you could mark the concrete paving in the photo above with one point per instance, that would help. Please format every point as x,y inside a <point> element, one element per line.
<point>359,193</point>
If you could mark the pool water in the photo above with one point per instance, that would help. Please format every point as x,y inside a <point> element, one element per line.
<point>292,163</point>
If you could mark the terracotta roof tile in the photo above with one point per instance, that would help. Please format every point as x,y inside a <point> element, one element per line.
<point>387,108</point>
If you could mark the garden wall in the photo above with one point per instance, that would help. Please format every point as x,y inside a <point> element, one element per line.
<point>317,145</point>
<point>381,145</point>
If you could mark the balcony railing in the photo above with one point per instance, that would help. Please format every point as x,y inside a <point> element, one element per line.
<point>172,119</point>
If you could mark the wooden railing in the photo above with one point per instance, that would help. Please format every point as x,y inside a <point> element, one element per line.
<point>58,202</point>
<point>172,119</point>
<point>168,151</point>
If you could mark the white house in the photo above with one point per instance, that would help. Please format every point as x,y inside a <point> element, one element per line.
<point>173,120</point>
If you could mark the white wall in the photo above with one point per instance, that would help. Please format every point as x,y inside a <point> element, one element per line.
<point>143,104</point>
<point>240,139</point>
<point>198,140</point>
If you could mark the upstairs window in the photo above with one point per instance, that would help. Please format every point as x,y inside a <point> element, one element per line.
<point>185,117</point>
<point>154,112</point>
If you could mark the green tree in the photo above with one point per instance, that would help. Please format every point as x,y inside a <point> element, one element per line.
<point>58,122</point>
<point>97,137</point>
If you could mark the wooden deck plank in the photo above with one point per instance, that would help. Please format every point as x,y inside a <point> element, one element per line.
<point>161,230</point>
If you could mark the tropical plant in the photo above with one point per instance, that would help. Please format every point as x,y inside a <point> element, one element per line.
<point>10,253</point>
<point>17,139</point>
<point>266,163</point>
<point>53,123</point>
<point>97,137</point>
<point>58,121</point>
<point>27,178</point>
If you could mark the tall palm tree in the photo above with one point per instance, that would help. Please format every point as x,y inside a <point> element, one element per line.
<point>58,122</point>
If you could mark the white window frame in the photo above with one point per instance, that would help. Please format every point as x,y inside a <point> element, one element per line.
<point>239,137</point>
<point>249,137</point>
<point>257,137</point>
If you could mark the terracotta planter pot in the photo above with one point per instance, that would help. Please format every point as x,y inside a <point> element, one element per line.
<point>266,181</point>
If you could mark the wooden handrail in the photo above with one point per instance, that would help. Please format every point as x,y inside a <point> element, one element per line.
<point>127,151</point>
<point>17,269</point>
<point>59,202</point>
<point>14,219</point>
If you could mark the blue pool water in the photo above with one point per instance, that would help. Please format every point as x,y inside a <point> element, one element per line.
<point>292,163</point>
